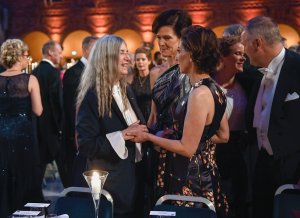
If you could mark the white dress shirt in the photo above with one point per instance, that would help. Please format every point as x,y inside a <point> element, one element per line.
<point>50,62</point>
<point>83,60</point>
<point>264,101</point>
<point>116,138</point>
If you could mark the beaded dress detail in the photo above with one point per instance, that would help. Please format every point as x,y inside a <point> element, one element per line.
<point>18,153</point>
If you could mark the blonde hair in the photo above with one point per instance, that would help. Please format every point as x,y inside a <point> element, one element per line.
<point>11,50</point>
<point>101,73</point>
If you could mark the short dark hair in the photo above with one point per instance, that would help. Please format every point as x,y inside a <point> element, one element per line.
<point>202,43</point>
<point>48,46</point>
<point>86,41</point>
<point>176,18</point>
<point>143,50</point>
<point>226,42</point>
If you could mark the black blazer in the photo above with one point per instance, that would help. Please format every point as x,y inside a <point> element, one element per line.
<point>49,124</point>
<point>91,138</point>
<point>71,82</point>
<point>249,79</point>
<point>285,117</point>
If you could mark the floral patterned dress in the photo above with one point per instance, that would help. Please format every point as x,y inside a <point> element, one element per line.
<point>203,178</point>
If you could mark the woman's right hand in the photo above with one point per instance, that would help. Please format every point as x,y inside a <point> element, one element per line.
<point>135,127</point>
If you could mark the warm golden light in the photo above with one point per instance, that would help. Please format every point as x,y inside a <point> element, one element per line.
<point>148,36</point>
<point>56,37</point>
<point>289,33</point>
<point>73,42</point>
<point>219,30</point>
<point>131,37</point>
<point>35,41</point>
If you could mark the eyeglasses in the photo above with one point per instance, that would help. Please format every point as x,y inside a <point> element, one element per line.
<point>27,56</point>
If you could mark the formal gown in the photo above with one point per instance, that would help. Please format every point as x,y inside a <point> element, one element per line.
<point>167,90</point>
<point>203,178</point>
<point>18,152</point>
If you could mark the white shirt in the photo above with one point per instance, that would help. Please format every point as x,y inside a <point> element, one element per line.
<point>264,101</point>
<point>83,60</point>
<point>50,62</point>
<point>116,138</point>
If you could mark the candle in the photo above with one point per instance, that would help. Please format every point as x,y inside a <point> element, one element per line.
<point>96,185</point>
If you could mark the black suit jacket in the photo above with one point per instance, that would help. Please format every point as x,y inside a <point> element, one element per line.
<point>71,82</point>
<point>91,138</point>
<point>285,117</point>
<point>49,124</point>
<point>250,80</point>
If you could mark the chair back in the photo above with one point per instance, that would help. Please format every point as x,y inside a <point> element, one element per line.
<point>287,201</point>
<point>187,212</point>
<point>77,202</point>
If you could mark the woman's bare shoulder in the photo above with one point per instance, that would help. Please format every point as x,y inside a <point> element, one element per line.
<point>158,70</point>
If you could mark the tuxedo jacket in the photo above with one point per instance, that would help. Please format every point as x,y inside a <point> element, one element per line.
<point>71,82</point>
<point>284,121</point>
<point>93,144</point>
<point>49,124</point>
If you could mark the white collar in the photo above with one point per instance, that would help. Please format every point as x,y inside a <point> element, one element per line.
<point>277,60</point>
<point>50,62</point>
<point>116,89</point>
<point>83,60</point>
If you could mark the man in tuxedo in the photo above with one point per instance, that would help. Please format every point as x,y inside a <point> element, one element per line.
<point>70,85</point>
<point>276,112</point>
<point>49,124</point>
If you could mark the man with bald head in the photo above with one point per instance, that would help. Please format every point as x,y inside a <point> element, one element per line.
<point>276,116</point>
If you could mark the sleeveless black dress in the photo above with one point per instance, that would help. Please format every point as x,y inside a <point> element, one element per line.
<point>142,91</point>
<point>203,178</point>
<point>18,152</point>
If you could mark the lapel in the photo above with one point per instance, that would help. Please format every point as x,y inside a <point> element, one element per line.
<point>80,65</point>
<point>135,107</point>
<point>282,87</point>
<point>116,109</point>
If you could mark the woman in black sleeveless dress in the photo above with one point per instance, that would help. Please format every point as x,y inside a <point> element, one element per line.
<point>201,121</point>
<point>19,96</point>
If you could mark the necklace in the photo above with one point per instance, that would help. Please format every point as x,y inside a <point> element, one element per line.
<point>142,80</point>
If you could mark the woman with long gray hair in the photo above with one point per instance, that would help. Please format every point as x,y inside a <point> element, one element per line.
<point>106,111</point>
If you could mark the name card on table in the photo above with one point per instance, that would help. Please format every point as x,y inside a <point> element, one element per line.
<point>36,205</point>
<point>162,213</point>
<point>26,213</point>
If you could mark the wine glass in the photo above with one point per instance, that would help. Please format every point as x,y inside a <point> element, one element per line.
<point>95,179</point>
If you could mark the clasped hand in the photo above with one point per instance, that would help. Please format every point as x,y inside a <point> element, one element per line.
<point>135,132</point>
